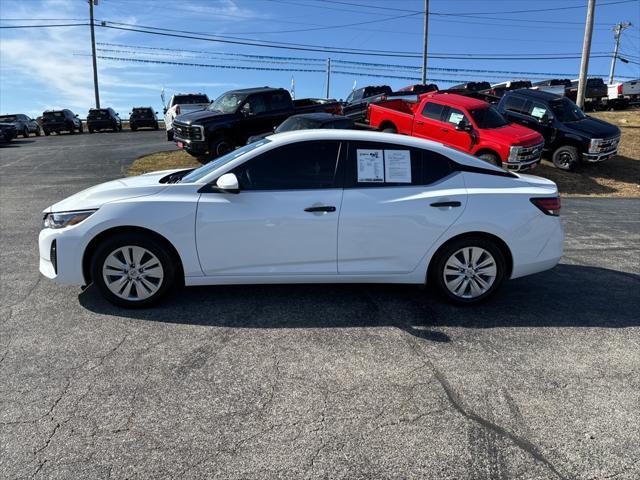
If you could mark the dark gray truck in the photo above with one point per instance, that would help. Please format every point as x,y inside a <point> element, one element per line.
<point>237,115</point>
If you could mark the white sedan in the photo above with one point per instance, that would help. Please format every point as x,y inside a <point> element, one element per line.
<point>313,206</point>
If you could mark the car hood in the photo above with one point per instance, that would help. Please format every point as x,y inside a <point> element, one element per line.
<point>200,116</point>
<point>121,189</point>
<point>593,128</point>
<point>514,134</point>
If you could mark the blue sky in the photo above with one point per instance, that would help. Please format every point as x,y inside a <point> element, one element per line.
<point>51,68</point>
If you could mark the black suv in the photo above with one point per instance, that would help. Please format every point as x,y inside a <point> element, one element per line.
<point>103,119</point>
<point>141,117</point>
<point>23,124</point>
<point>570,136</point>
<point>60,121</point>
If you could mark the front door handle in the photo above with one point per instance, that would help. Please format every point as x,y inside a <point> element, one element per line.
<point>446,204</point>
<point>445,129</point>
<point>320,209</point>
<point>418,122</point>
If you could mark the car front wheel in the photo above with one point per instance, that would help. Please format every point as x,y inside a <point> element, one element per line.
<point>133,270</point>
<point>468,270</point>
<point>566,157</point>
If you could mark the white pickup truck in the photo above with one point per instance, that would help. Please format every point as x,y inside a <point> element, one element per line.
<point>182,103</point>
<point>621,95</point>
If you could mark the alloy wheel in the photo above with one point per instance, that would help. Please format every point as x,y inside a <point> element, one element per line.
<point>470,272</point>
<point>132,273</point>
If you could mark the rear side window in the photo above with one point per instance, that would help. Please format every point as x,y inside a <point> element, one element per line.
<point>433,111</point>
<point>280,101</point>
<point>373,164</point>
<point>298,166</point>
<point>516,104</point>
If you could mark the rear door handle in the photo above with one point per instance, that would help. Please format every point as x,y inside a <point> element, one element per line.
<point>445,129</point>
<point>419,122</point>
<point>446,204</point>
<point>320,209</point>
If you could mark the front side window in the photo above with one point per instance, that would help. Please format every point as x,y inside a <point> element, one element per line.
<point>566,111</point>
<point>538,110</point>
<point>455,116</point>
<point>433,111</point>
<point>280,101</point>
<point>297,166</point>
<point>256,104</point>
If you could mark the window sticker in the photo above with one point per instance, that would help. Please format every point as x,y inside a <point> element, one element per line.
<point>538,112</point>
<point>455,117</point>
<point>370,166</point>
<point>397,166</point>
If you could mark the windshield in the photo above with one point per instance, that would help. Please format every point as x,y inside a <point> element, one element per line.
<point>297,123</point>
<point>142,112</point>
<point>8,118</point>
<point>204,170</point>
<point>98,113</point>
<point>488,118</point>
<point>52,115</point>
<point>227,103</point>
<point>566,111</point>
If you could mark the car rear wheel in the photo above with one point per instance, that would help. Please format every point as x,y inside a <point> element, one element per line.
<point>133,270</point>
<point>468,270</point>
<point>25,132</point>
<point>566,157</point>
<point>491,158</point>
<point>46,133</point>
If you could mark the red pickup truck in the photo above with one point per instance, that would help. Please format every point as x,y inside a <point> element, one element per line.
<point>466,123</point>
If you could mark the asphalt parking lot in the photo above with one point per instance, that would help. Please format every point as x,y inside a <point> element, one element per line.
<point>314,381</point>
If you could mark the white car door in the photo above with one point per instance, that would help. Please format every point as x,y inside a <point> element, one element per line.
<point>397,202</point>
<point>283,221</point>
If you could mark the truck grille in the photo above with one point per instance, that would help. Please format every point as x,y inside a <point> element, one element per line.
<point>530,153</point>
<point>187,132</point>
<point>610,144</point>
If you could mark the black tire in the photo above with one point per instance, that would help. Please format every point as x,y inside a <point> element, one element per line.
<point>169,135</point>
<point>155,127</point>
<point>390,130</point>
<point>437,270</point>
<point>25,132</point>
<point>491,158</point>
<point>72,129</point>
<point>46,133</point>
<point>81,129</point>
<point>566,157</point>
<point>132,128</point>
<point>38,132</point>
<point>166,259</point>
<point>219,145</point>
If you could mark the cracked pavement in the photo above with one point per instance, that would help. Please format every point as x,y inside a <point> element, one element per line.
<point>313,381</point>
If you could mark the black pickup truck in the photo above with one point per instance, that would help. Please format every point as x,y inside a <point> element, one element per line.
<point>570,136</point>
<point>237,115</point>
<point>357,103</point>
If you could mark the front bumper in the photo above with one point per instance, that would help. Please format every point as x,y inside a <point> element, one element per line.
<point>526,159</point>
<point>599,157</point>
<point>65,266</point>
<point>192,147</point>
<point>522,166</point>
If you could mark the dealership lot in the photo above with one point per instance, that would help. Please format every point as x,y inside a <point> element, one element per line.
<point>313,381</point>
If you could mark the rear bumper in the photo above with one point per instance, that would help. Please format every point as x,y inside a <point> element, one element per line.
<point>143,123</point>
<point>99,124</point>
<point>548,256</point>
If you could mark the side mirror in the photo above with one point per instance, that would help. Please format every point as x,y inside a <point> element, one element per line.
<point>228,183</point>
<point>464,126</point>
<point>246,110</point>
<point>76,114</point>
<point>546,120</point>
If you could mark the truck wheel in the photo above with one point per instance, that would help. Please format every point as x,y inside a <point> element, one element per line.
<point>390,130</point>
<point>46,133</point>
<point>133,128</point>
<point>80,128</point>
<point>565,157</point>
<point>491,158</point>
<point>25,132</point>
<point>169,135</point>
<point>219,146</point>
<point>155,127</point>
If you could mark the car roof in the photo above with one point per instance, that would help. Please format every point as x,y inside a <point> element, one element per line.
<point>320,116</point>
<point>537,94</point>
<point>256,90</point>
<point>457,100</point>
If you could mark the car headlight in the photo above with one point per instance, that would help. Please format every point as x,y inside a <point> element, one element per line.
<point>65,219</point>
<point>514,152</point>
<point>594,145</point>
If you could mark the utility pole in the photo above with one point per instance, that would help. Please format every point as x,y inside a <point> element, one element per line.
<point>328,75</point>
<point>586,51</point>
<point>424,50</point>
<point>93,52</point>
<point>617,31</point>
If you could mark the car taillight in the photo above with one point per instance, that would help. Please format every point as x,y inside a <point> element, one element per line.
<point>620,89</point>
<point>548,206</point>
<point>177,109</point>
